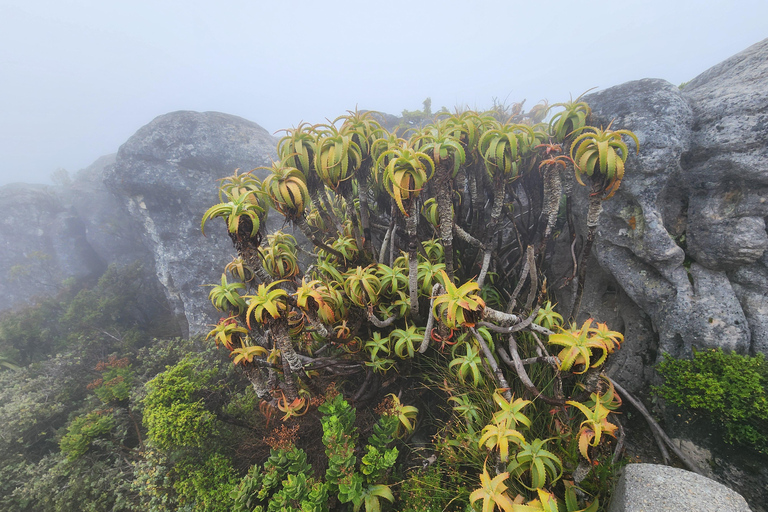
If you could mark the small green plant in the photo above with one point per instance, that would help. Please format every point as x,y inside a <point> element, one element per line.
<point>731,390</point>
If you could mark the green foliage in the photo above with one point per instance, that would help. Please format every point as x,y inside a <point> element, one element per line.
<point>82,432</point>
<point>731,390</point>
<point>206,486</point>
<point>174,415</point>
<point>286,481</point>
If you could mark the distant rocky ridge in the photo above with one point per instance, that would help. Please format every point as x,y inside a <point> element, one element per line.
<point>74,229</point>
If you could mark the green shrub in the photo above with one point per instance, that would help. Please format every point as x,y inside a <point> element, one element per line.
<point>174,415</point>
<point>83,430</point>
<point>729,389</point>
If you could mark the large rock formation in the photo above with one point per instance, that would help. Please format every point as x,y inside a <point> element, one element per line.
<point>167,177</point>
<point>684,238</point>
<point>680,258</point>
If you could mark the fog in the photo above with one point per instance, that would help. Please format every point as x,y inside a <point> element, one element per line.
<point>78,78</point>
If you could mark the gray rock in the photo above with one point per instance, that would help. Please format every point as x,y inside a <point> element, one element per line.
<point>685,236</point>
<point>166,175</point>
<point>73,229</point>
<point>656,488</point>
<point>42,243</point>
<point>750,284</point>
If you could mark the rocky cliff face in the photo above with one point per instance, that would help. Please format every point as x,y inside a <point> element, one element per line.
<point>74,229</point>
<point>166,175</point>
<point>685,237</point>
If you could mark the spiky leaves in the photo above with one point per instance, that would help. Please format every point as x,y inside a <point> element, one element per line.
<point>362,286</point>
<point>577,346</point>
<point>337,158</point>
<point>600,155</point>
<point>269,302</point>
<point>469,364</point>
<point>595,424</point>
<point>287,187</point>
<point>280,255</point>
<point>298,147</point>
<point>493,492</point>
<point>510,411</point>
<point>226,331</point>
<point>498,435</point>
<point>406,172</point>
<point>503,147</point>
<point>244,205</point>
<point>540,465</point>
<point>458,306</point>
<point>573,117</point>
<point>225,296</point>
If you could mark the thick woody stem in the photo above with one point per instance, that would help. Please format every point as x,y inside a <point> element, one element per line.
<point>553,190</point>
<point>258,379</point>
<point>412,224</point>
<point>304,227</point>
<point>381,324</point>
<point>593,215</point>
<point>445,213</point>
<point>362,192</point>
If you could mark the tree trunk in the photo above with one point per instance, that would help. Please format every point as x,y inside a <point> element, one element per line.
<point>445,213</point>
<point>593,215</point>
<point>412,224</point>
<point>365,221</point>
<point>553,190</point>
<point>290,360</point>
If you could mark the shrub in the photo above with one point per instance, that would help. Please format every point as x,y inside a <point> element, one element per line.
<point>731,390</point>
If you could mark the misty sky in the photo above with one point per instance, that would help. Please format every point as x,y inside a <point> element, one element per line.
<point>78,78</point>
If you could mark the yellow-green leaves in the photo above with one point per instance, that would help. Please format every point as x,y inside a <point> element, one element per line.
<point>337,157</point>
<point>267,303</point>
<point>503,147</point>
<point>243,205</point>
<point>223,332</point>
<point>493,492</point>
<point>573,117</point>
<point>406,414</point>
<point>460,306</point>
<point>469,364</point>
<point>287,187</point>
<point>225,296</point>
<point>499,435</point>
<point>579,342</point>
<point>407,171</point>
<point>547,317</point>
<point>243,354</point>
<point>406,341</point>
<point>297,149</point>
<point>600,155</point>
<point>445,150</point>
<point>510,411</point>
<point>362,286</point>
<point>537,462</point>
<point>596,423</point>
<point>280,258</point>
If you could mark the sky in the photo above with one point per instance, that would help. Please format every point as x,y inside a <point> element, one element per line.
<point>79,77</point>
